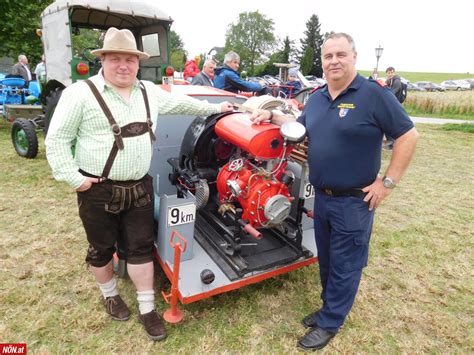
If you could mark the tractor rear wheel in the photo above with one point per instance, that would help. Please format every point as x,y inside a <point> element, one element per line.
<point>24,138</point>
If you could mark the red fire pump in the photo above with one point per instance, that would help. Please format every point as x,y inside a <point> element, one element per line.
<point>241,182</point>
<point>260,186</point>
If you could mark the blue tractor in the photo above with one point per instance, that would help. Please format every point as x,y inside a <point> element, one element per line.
<point>20,104</point>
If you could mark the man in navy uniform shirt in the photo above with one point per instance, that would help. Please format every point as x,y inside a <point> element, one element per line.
<point>345,123</point>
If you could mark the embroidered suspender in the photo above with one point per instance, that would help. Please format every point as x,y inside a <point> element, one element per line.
<point>133,129</point>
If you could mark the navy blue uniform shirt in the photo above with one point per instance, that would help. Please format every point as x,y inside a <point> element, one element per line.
<point>345,135</point>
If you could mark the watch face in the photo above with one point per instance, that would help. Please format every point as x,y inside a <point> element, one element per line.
<point>388,183</point>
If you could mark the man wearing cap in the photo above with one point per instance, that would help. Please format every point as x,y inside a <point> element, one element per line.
<point>110,117</point>
<point>345,122</point>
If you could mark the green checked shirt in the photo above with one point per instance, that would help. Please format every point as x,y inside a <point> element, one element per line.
<point>78,117</point>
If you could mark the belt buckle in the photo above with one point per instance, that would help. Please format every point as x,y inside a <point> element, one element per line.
<point>328,192</point>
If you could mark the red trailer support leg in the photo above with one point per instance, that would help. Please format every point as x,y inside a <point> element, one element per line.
<point>174,315</point>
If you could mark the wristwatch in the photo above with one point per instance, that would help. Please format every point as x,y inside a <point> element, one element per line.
<point>388,183</point>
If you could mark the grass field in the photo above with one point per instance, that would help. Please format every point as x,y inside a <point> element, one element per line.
<point>419,76</point>
<point>416,294</point>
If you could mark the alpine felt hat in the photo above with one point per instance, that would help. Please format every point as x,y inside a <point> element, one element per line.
<point>120,41</point>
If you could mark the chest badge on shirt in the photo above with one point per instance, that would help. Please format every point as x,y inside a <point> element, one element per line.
<point>344,109</point>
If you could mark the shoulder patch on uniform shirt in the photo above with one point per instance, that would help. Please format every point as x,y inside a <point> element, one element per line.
<point>379,82</point>
<point>317,88</point>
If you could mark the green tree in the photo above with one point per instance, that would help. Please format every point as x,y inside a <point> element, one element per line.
<point>313,39</point>
<point>282,56</point>
<point>176,43</point>
<point>177,52</point>
<point>252,38</point>
<point>86,38</point>
<point>307,61</point>
<point>178,58</point>
<point>20,19</point>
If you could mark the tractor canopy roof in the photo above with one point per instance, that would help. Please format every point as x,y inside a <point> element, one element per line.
<point>109,13</point>
<point>61,19</point>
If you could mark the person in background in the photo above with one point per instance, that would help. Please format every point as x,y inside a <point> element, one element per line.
<point>345,122</point>
<point>191,68</point>
<point>293,84</point>
<point>228,78</point>
<point>22,68</point>
<point>206,76</point>
<point>40,70</point>
<point>395,84</point>
<point>111,118</point>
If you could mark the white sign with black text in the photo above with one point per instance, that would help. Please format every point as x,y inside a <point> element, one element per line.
<point>308,191</point>
<point>182,214</point>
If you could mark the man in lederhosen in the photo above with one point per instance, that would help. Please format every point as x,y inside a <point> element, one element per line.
<point>110,117</point>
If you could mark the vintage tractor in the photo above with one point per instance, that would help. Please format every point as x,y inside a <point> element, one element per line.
<point>17,99</point>
<point>63,20</point>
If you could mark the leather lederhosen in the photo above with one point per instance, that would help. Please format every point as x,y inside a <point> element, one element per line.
<point>132,129</point>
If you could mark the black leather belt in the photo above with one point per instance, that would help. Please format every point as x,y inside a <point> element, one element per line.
<point>109,181</point>
<point>343,193</point>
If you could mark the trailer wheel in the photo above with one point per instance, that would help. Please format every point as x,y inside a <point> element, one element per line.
<point>24,138</point>
<point>51,103</point>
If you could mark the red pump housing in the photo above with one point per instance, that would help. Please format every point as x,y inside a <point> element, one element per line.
<point>256,186</point>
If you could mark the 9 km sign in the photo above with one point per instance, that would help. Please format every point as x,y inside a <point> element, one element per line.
<point>181,214</point>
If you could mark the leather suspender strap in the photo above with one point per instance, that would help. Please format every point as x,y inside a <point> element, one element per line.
<point>110,160</point>
<point>113,124</point>
<point>130,130</point>
<point>148,115</point>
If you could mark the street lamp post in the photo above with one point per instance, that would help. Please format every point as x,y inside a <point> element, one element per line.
<point>378,54</point>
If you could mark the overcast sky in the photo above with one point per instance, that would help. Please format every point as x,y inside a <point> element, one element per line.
<point>417,35</point>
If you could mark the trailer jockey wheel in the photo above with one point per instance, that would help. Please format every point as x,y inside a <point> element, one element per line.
<point>24,138</point>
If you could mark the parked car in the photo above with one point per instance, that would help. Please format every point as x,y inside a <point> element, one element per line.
<point>414,87</point>
<point>257,79</point>
<point>439,87</point>
<point>429,86</point>
<point>456,85</point>
<point>272,80</point>
<point>406,81</point>
<point>317,82</point>
<point>471,83</point>
<point>314,81</point>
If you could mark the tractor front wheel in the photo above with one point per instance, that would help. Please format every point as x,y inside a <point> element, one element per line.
<point>24,138</point>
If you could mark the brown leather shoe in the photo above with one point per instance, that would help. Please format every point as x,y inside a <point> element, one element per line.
<point>154,325</point>
<point>117,308</point>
